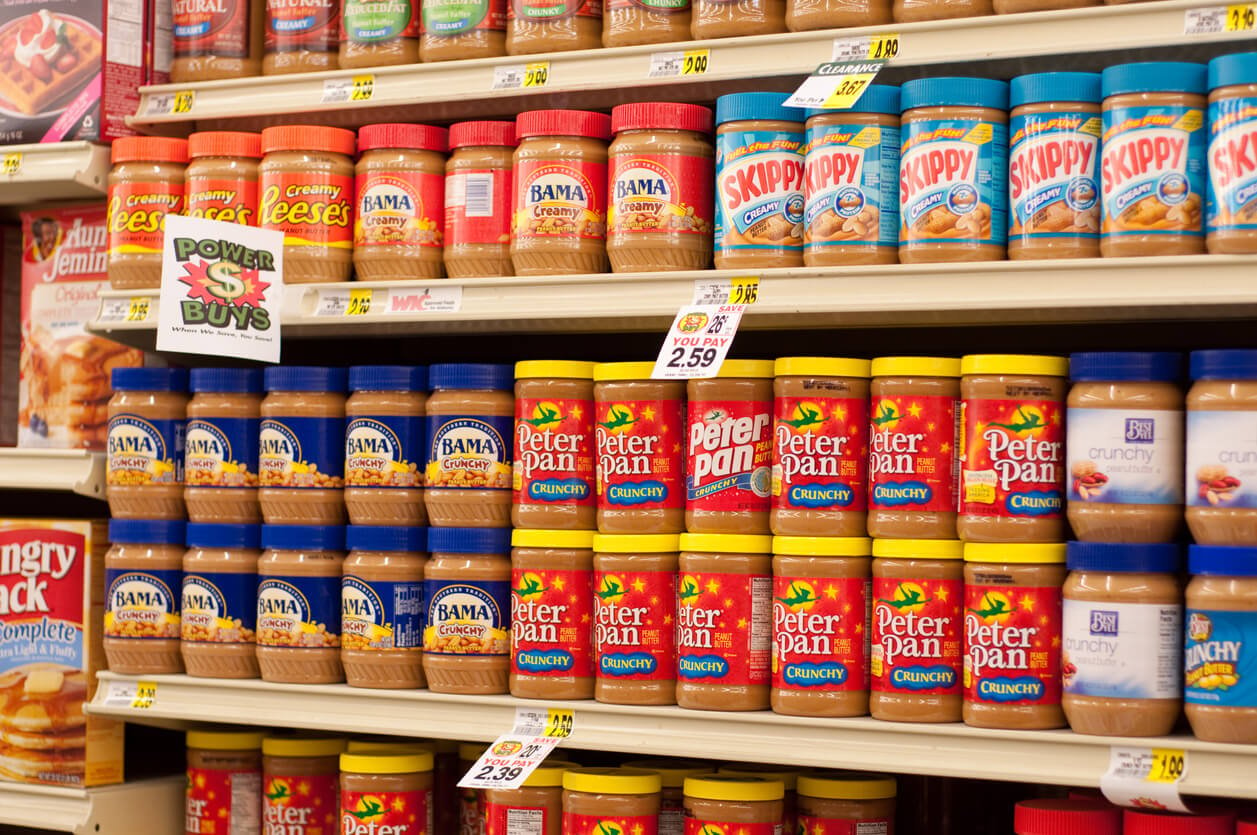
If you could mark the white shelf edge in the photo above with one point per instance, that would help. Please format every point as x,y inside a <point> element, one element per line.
<point>65,470</point>
<point>53,171</point>
<point>105,809</point>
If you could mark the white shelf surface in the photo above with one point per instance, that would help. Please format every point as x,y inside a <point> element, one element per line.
<point>157,803</point>
<point>63,470</point>
<point>52,171</point>
<point>1047,757</point>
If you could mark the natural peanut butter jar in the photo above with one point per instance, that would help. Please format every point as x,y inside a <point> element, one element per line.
<point>145,445</point>
<point>382,609</point>
<point>470,418</point>
<point>143,581</point>
<point>1221,451</point>
<point>298,626</point>
<point>220,601</point>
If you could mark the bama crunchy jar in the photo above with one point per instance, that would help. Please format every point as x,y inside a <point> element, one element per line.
<point>146,183</point>
<point>478,199</point>
<point>553,479</point>
<point>1230,213</point>
<point>224,781</point>
<point>470,421</point>
<point>734,802</point>
<point>392,790</point>
<point>659,211</point>
<point>628,796</point>
<point>848,801</point>
<point>300,779</point>
<point>301,458</point>
<point>1012,448</point>
<point>222,176</point>
<point>306,182</point>
<point>552,608</point>
<point>221,447</point>
<point>298,626</point>
<point>385,444</point>
<point>1221,450</point>
<point>1220,653</point>
<point>143,579</point>
<point>147,427</point>
<point>220,601</point>
<point>381,597</point>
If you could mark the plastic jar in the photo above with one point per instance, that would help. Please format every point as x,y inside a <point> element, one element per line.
<point>724,627</point>
<point>382,611</point>
<point>143,579</point>
<point>560,205</point>
<point>552,614</point>
<point>221,447</point>
<point>1153,159</point>
<point>640,434</point>
<point>1021,6</point>
<point>953,194</point>
<point>1050,816</point>
<point>628,796</point>
<point>1012,667</point>
<point>660,207</point>
<point>846,800</point>
<point>788,777</point>
<point>147,426</point>
<point>224,782</point>
<point>301,36</point>
<point>851,178</point>
<point>400,183</point>
<point>536,807</point>
<point>1054,160</point>
<point>1121,644</point>
<point>756,226</point>
<point>634,584</point>
<point>629,23</point>
<point>915,660</point>
<point>729,450</point>
<point>1012,455</point>
<point>378,36</point>
<point>220,601</point>
<point>478,199</point>
<point>807,15</point>
<point>913,435</point>
<point>553,480</point>
<point>1221,451</point>
<point>821,625</point>
<point>385,440</point>
<point>1230,212</point>
<point>298,625</point>
<point>1124,446</point>
<point>1220,658</point>
<point>302,446</point>
<point>307,192</point>
<point>672,775</point>
<point>146,183</point>
<point>820,446</point>
<point>734,802</point>
<point>1137,822</point>
<point>300,784</point>
<point>472,814</point>
<point>222,175</point>
<point>470,416</point>
<point>392,792</point>
<point>536,26</point>
<point>223,43</point>
<point>723,19</point>
<point>452,31</point>
<point>911,11</point>
<point>467,631</point>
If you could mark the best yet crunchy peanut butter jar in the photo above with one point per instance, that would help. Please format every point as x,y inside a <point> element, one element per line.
<point>220,587</point>
<point>471,444</point>
<point>1221,481</point>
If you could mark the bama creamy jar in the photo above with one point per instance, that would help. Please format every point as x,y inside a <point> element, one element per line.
<point>1220,653</point>
<point>301,442</point>
<point>143,579</point>
<point>385,445</point>
<point>1221,448</point>
<point>220,451</point>
<point>220,603</point>
<point>299,578</point>
<point>147,427</point>
<point>553,478</point>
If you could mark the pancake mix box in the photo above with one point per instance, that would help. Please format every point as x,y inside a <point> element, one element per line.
<point>52,601</point>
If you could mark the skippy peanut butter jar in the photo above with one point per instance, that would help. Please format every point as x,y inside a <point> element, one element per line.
<point>1230,207</point>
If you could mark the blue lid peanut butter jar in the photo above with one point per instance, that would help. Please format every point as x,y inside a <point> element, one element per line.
<point>301,446</point>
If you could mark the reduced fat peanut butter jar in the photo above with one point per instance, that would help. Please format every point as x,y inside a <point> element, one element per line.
<point>301,36</point>
<point>478,199</point>
<point>299,579</point>
<point>597,799</point>
<point>146,183</point>
<point>386,792</point>
<point>629,22</point>
<point>224,781</point>
<point>457,31</point>
<point>143,579</point>
<point>538,802</point>
<point>221,448</point>
<point>220,601</point>
<point>471,445</point>
<point>385,445</point>
<point>222,176</point>
<point>1221,450</point>
<point>301,446</point>
<point>382,611</point>
<point>846,801</point>
<point>375,35</point>
<point>734,802</point>
<point>1230,210</point>
<point>1220,656</point>
<point>300,783</point>
<point>538,26</point>
<point>220,41</point>
<point>145,443</point>
<point>553,478</point>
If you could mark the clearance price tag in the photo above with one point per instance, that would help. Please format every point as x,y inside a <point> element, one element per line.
<point>342,90</point>
<point>698,341</point>
<point>738,290</point>
<point>11,164</point>
<point>1146,778</point>
<point>679,64</point>
<point>514,755</point>
<point>837,85</point>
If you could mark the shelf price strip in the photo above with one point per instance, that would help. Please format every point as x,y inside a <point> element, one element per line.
<point>1145,778</point>
<point>358,88</point>
<point>336,302</point>
<point>871,48</point>
<point>135,695</point>
<point>1218,19</point>
<point>678,64</point>
<point>514,755</point>
<point>179,103</point>
<point>521,76</point>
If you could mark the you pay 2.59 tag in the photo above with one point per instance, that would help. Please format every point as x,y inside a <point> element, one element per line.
<point>516,754</point>
<point>698,341</point>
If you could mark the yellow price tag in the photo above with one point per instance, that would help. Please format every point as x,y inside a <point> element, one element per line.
<point>359,303</point>
<point>1168,765</point>
<point>695,61</point>
<point>183,102</point>
<point>145,695</point>
<point>744,290</point>
<point>1241,18</point>
<point>363,89</point>
<point>137,310</point>
<point>12,163</point>
<point>536,75</point>
<point>883,47</point>
<point>559,722</point>
<point>848,90</point>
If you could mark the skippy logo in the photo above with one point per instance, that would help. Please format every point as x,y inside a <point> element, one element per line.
<point>553,463</point>
<point>760,179</point>
<point>728,452</point>
<point>912,648</point>
<point>1232,164</point>
<point>933,164</point>
<point>1052,160</point>
<point>1144,161</point>
<point>834,176</point>
<point>224,287</point>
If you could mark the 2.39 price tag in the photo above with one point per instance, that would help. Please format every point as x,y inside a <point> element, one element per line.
<point>514,755</point>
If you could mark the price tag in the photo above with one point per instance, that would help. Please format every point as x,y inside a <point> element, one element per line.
<point>536,75</point>
<point>870,48</point>
<point>12,163</point>
<point>1218,19</point>
<point>136,695</point>
<point>184,99</point>
<point>835,86</point>
<point>113,310</point>
<point>159,104</point>
<point>520,76</point>
<point>740,290</point>
<point>359,302</point>
<point>679,64</point>
<point>513,756</point>
<point>1241,18</point>
<point>425,300</point>
<point>138,309</point>
<point>332,302</point>
<point>698,341</point>
<point>343,90</point>
<point>1145,778</point>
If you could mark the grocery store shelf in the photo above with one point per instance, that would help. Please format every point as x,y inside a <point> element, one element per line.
<point>158,803</point>
<point>67,470</point>
<point>1046,757</point>
<point>52,171</point>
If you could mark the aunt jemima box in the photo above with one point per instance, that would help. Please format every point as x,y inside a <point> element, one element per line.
<point>52,601</point>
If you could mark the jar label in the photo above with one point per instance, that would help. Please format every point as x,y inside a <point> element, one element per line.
<point>304,452</point>
<point>554,456</point>
<point>548,10</point>
<point>405,208</point>
<point>296,25</point>
<point>574,824</point>
<point>851,175</point>
<point>1121,650</point>
<point>310,209</point>
<point>1012,454</point>
<point>504,819</point>
<point>222,452</point>
<point>470,452</point>
<point>448,18</point>
<point>820,454</point>
<point>142,604</point>
<point>298,612</point>
<point>1220,664</point>
<point>220,608</point>
<point>381,615</point>
<point>300,804</point>
<point>814,825</point>
<point>384,451</point>
<point>916,636</point>
<point>671,817</point>
<point>635,625</point>
<point>210,27</point>
<point>1153,168</point>
<point>661,193</point>
<point>472,816</point>
<point>469,617</point>
<point>137,216</point>
<point>1053,176</point>
<point>551,623</point>
<point>724,628</point>
<point>912,453</point>
<point>953,183</point>
<point>820,634</point>
<point>143,451</point>
<point>222,801</point>
<point>560,200</point>
<point>729,455</point>
<point>658,7</point>
<point>1119,456</point>
<point>376,813</point>
<point>640,459</point>
<point>1232,186</point>
<point>1012,644</point>
<point>702,826</point>
<point>378,22</point>
<point>759,191</point>
<point>231,201</point>
<point>1221,459</point>
<point>477,206</point>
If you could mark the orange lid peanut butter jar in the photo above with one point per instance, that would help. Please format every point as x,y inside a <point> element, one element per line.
<point>552,614</point>
<point>734,802</point>
<point>385,445</point>
<point>299,580</point>
<point>628,23</point>
<point>220,601</point>
<point>478,199</point>
<point>846,801</point>
<point>457,31</point>
<point>300,783</point>
<point>539,802</point>
<point>629,797</point>
<point>221,449</point>
<point>224,781</point>
<point>222,177</point>
<point>222,40</point>
<point>146,183</point>
<point>143,579</point>
<point>301,446</point>
<point>386,792</point>
<point>553,482</point>
<point>1221,452</point>
<point>470,422</point>
<point>382,607</point>
<point>301,36</point>
<point>147,428</point>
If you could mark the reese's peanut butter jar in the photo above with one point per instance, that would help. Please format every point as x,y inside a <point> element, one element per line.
<point>146,183</point>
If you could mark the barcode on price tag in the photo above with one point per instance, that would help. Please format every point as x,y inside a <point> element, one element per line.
<point>678,64</point>
<point>1215,20</point>
<point>137,695</point>
<point>332,302</point>
<point>519,76</point>
<point>113,310</point>
<point>513,756</point>
<point>739,290</point>
<point>343,90</point>
<point>1145,778</point>
<point>698,341</point>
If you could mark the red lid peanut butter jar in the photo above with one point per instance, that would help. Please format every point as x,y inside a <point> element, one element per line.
<point>553,475</point>
<point>478,199</point>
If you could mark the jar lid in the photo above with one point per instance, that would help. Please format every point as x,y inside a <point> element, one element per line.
<point>225,143</point>
<point>1246,827</point>
<point>1226,70</point>
<point>1154,77</point>
<point>952,91</point>
<point>559,369</point>
<point>225,380</point>
<point>1222,560</point>
<point>308,138</point>
<point>303,537</point>
<point>847,785</point>
<point>404,136</point>
<point>469,540</point>
<point>563,123</point>
<point>720,543</point>
<point>1020,553</point>
<point>1029,364</point>
<point>876,98</point>
<point>549,775</point>
<point>225,740</point>
<point>608,371</point>
<point>1224,365</point>
<point>471,134</point>
<point>471,376</point>
<point>148,531</point>
<point>207,535</point>
<point>734,787</point>
<point>649,543</point>
<point>612,781</point>
<point>388,378</point>
<point>529,538</point>
<point>148,149</point>
<point>1135,822</point>
<point>1126,366</point>
<point>921,549</point>
<point>386,538</point>
<point>736,107</point>
<point>291,746</point>
<point>672,772</point>
<point>915,367</point>
<point>386,763</point>
<point>303,378</point>
<point>1039,87</point>
<point>150,379</point>
<point>663,115</point>
<point>1123,557</point>
<point>823,546</point>
<point>820,367</point>
<point>760,369</point>
<point>788,777</point>
<point>389,746</point>
<point>1060,816</point>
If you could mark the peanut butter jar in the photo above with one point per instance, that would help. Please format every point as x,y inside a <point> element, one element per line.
<point>1139,822</point>
<point>301,457</point>
<point>221,41</point>
<point>386,792</point>
<point>145,184</point>
<point>553,480</point>
<point>788,777</point>
<point>1221,451</point>
<point>386,445</point>
<point>147,427</point>
<point>454,31</point>
<point>722,19</point>
<point>808,15</point>
<point>221,448</point>
<point>224,781</point>
<point>220,601</point>
<point>911,11</point>
<point>628,796</point>
<point>298,625</point>
<point>539,802</point>
<point>536,26</point>
<point>222,176</point>
<point>854,800</point>
<point>472,814</point>
<point>734,801</point>
<point>1081,816</point>
<point>300,783</point>
<point>301,36</point>
<point>672,775</point>
<point>552,607</point>
<point>1230,213</point>
<point>372,35</point>
<point>628,23</point>
<point>143,579</point>
<point>478,199</point>
<point>382,607</point>
<point>1220,655</point>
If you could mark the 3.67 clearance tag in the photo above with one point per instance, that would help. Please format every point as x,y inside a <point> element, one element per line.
<point>516,754</point>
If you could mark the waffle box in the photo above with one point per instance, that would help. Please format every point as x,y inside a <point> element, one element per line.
<point>52,601</point>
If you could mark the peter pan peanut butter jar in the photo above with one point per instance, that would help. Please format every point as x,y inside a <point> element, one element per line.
<point>554,445</point>
<point>628,798</point>
<point>300,783</point>
<point>734,803</point>
<point>386,792</point>
<point>147,426</point>
<point>539,802</point>
<point>224,781</point>
<point>846,801</point>
<point>385,444</point>
<point>471,444</point>
<point>552,614</point>
<point>302,446</point>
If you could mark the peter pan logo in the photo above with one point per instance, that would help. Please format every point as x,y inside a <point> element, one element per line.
<point>606,828</point>
<point>224,288</point>
<point>799,596</point>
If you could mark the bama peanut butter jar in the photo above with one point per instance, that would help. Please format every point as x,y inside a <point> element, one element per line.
<point>299,582</point>
<point>221,447</point>
<point>385,444</point>
<point>220,601</point>
<point>553,478</point>
<point>1220,656</point>
<point>382,614</point>
<point>301,444</point>
<point>734,802</point>
<point>1221,450</point>
<point>147,427</point>
<point>143,578</point>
